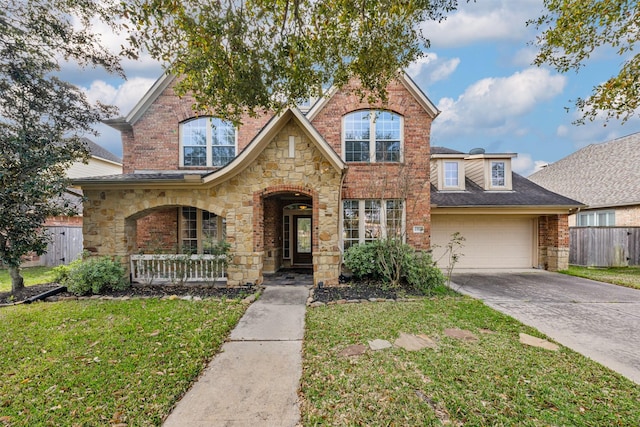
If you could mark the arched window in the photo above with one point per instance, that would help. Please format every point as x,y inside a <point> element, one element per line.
<point>372,136</point>
<point>207,141</point>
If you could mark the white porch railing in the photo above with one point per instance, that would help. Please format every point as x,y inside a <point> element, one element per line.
<point>177,268</point>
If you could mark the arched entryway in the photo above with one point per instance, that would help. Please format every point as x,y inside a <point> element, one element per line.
<point>289,228</point>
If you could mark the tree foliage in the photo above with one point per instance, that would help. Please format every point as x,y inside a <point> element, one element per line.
<point>243,56</point>
<point>42,118</point>
<point>574,30</point>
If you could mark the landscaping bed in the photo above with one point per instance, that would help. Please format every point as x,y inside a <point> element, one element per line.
<point>138,290</point>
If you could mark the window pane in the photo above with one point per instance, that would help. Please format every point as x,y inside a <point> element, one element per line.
<point>223,141</point>
<point>387,131</point>
<point>194,142</point>
<point>372,228</point>
<point>394,218</point>
<point>451,174</point>
<point>188,225</point>
<point>497,174</point>
<point>357,136</point>
<point>304,235</point>
<point>351,219</point>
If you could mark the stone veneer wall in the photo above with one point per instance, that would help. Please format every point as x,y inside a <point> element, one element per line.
<point>110,225</point>
<point>553,242</point>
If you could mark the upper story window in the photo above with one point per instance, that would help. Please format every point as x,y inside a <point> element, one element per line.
<point>498,174</point>
<point>372,136</point>
<point>596,219</point>
<point>452,174</point>
<point>207,141</point>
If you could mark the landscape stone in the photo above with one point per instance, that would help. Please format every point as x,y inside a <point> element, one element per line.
<point>316,304</point>
<point>379,344</point>
<point>460,334</point>
<point>411,342</point>
<point>353,350</point>
<point>538,342</point>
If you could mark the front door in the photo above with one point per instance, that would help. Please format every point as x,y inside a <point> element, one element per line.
<point>302,243</point>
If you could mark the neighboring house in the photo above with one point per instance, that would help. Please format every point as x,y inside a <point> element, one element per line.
<point>297,188</point>
<point>66,231</point>
<point>605,177</point>
<point>507,221</point>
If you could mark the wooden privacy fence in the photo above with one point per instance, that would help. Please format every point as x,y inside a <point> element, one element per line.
<point>65,246</point>
<point>604,246</point>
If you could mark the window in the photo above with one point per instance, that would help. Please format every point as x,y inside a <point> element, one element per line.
<point>207,141</point>
<point>451,171</point>
<point>372,136</point>
<point>200,230</point>
<point>498,176</point>
<point>596,219</point>
<point>368,220</point>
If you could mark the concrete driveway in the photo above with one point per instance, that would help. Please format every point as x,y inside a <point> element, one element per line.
<point>596,319</point>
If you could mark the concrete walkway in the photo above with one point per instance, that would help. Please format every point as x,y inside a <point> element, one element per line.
<point>255,378</point>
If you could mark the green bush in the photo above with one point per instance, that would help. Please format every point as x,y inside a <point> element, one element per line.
<point>362,260</point>
<point>95,275</point>
<point>421,273</point>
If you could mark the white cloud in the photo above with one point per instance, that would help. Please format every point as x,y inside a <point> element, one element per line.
<point>525,165</point>
<point>493,104</point>
<point>124,96</point>
<point>430,69</point>
<point>487,20</point>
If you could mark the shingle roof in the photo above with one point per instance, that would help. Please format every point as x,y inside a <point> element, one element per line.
<point>141,177</point>
<point>98,151</point>
<point>598,175</point>
<point>524,193</point>
<point>444,150</point>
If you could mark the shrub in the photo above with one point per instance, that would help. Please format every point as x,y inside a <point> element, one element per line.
<point>421,273</point>
<point>391,260</point>
<point>96,275</point>
<point>362,260</point>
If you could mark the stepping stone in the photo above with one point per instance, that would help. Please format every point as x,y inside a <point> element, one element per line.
<point>538,342</point>
<point>486,331</point>
<point>353,350</point>
<point>378,344</point>
<point>414,342</point>
<point>460,334</point>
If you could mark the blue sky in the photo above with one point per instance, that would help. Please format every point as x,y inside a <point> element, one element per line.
<point>477,71</point>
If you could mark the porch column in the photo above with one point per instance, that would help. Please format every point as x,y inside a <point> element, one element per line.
<point>554,241</point>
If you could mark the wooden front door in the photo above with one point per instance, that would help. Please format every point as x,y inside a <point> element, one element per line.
<point>302,240</point>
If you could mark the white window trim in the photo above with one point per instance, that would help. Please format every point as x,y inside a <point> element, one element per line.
<point>595,215</point>
<point>209,144</point>
<point>372,134</point>
<point>199,237</point>
<point>507,175</point>
<point>441,175</point>
<point>383,220</point>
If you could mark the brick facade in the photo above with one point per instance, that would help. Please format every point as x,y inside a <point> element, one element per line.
<point>628,216</point>
<point>553,242</point>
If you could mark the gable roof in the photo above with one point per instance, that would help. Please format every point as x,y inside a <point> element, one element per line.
<point>100,152</point>
<point>237,165</point>
<point>403,78</point>
<point>598,175</point>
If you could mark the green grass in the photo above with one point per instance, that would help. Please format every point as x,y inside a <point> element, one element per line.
<point>623,276</point>
<point>495,381</point>
<point>89,362</point>
<point>32,276</point>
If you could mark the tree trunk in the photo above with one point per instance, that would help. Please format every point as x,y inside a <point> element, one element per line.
<point>17,281</point>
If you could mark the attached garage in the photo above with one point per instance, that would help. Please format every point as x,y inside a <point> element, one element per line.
<point>491,241</point>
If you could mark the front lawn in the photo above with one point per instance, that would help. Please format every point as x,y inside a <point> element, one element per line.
<point>31,275</point>
<point>495,380</point>
<point>91,362</point>
<point>624,276</point>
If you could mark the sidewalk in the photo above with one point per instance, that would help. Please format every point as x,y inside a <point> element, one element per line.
<point>255,378</point>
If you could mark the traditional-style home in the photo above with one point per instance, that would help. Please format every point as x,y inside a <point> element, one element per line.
<point>298,188</point>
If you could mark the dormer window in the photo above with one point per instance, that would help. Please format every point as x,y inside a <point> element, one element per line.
<point>372,136</point>
<point>451,174</point>
<point>498,174</point>
<point>207,142</point>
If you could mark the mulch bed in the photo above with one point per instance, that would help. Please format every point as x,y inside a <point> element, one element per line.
<point>353,291</point>
<point>134,290</point>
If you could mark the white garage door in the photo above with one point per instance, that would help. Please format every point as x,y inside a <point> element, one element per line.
<point>492,241</point>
